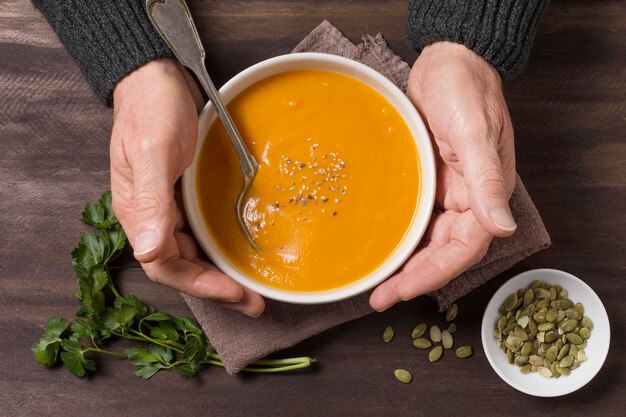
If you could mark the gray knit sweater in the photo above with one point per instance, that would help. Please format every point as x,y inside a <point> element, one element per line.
<point>110,38</point>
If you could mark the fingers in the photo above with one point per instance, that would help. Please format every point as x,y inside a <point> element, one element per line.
<point>455,243</point>
<point>488,189</point>
<point>154,208</point>
<point>250,303</point>
<point>466,244</point>
<point>190,277</point>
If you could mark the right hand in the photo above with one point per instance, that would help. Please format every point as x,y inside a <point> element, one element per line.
<point>152,143</point>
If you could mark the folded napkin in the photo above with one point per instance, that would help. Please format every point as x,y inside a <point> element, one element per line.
<point>241,340</point>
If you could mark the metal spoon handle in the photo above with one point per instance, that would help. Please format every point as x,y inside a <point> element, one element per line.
<point>173,21</point>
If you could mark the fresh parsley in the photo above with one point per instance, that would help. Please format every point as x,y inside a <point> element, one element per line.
<point>177,344</point>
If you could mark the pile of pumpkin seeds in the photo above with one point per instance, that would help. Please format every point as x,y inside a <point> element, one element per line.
<point>436,336</point>
<point>541,330</point>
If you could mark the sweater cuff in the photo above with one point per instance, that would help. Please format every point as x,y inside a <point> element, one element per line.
<point>107,38</point>
<point>501,31</point>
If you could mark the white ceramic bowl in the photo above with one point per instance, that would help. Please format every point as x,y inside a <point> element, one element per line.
<point>597,345</point>
<point>388,90</point>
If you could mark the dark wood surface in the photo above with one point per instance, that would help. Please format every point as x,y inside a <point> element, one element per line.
<point>569,112</point>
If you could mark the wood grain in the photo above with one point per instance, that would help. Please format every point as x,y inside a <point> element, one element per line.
<point>568,109</point>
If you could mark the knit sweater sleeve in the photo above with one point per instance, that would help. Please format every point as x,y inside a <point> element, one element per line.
<point>107,38</point>
<point>501,31</point>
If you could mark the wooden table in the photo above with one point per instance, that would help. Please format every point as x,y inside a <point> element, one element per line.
<point>568,110</point>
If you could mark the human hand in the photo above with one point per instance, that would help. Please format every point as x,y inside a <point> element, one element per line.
<point>459,95</point>
<point>152,143</point>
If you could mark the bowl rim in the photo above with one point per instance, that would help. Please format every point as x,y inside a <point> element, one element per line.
<point>543,274</point>
<point>409,114</point>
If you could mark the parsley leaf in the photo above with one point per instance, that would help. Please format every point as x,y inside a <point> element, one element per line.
<point>46,349</point>
<point>73,357</point>
<point>100,214</point>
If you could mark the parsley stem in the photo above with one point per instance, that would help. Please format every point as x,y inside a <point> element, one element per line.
<point>171,344</point>
<point>110,282</point>
<point>302,365</point>
<point>106,352</point>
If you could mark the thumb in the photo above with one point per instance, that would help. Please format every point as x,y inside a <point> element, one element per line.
<point>487,188</point>
<point>154,208</point>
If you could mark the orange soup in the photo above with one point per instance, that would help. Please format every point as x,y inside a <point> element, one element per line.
<point>337,186</point>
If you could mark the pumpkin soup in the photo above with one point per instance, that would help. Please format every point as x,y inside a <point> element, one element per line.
<point>337,185</point>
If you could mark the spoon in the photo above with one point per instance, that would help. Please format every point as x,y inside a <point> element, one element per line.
<point>172,19</point>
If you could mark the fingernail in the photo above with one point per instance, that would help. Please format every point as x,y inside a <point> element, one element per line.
<point>146,242</point>
<point>503,219</point>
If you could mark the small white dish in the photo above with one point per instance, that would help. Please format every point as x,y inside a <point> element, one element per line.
<point>394,96</point>
<point>597,345</point>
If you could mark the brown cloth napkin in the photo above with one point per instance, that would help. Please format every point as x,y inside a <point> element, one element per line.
<point>241,340</point>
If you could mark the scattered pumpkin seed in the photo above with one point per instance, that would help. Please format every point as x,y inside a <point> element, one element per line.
<point>435,334</point>
<point>419,330</point>
<point>452,328</point>
<point>403,376</point>
<point>446,339</point>
<point>435,354</point>
<point>465,352</point>
<point>388,334</point>
<point>452,312</point>
<point>422,343</point>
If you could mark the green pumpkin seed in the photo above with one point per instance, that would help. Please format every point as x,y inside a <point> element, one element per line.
<point>435,354</point>
<point>563,371</point>
<point>521,360</point>
<point>510,301</point>
<point>571,313</point>
<point>563,351</point>
<point>435,334</point>
<point>452,328</point>
<point>422,343</point>
<point>535,284</point>
<point>388,334</point>
<point>573,350</point>
<point>465,352</point>
<point>584,333</point>
<point>565,304</point>
<point>543,304</point>
<point>552,353</point>
<point>568,325</point>
<point>579,307</point>
<point>446,339</point>
<point>419,330</point>
<point>519,332</point>
<point>525,369</point>
<point>586,322</point>
<point>510,356</point>
<point>542,293</point>
<point>545,326</point>
<point>567,361</point>
<point>527,347</point>
<point>544,372</point>
<point>552,314</point>
<point>551,336</point>
<point>574,338</point>
<point>539,317</point>
<point>533,326</point>
<point>452,312</point>
<point>552,293</point>
<point>581,356</point>
<point>403,376</point>
<point>529,297</point>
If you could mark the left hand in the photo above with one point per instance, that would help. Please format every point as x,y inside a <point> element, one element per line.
<point>459,95</point>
